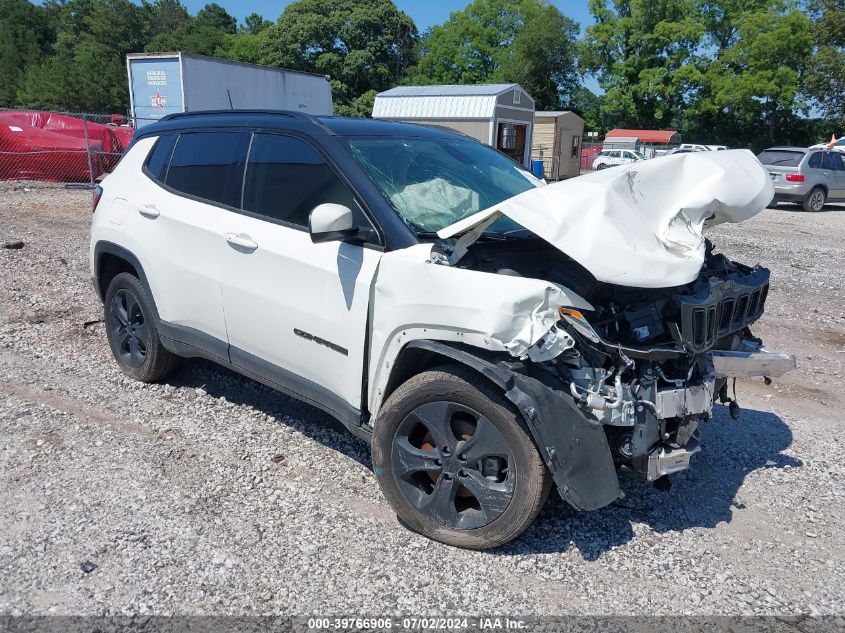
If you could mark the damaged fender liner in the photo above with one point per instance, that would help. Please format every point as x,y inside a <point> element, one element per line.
<point>574,448</point>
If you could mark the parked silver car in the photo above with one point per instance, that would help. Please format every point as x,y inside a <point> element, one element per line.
<point>805,176</point>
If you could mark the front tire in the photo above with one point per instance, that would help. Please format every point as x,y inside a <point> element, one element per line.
<point>456,462</point>
<point>132,333</point>
<point>814,200</point>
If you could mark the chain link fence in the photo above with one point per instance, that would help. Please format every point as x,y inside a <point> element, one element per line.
<point>60,148</point>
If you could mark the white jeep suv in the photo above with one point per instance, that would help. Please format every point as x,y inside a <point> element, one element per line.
<point>489,335</point>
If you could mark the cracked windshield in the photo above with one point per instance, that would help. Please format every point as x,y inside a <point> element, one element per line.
<point>433,183</point>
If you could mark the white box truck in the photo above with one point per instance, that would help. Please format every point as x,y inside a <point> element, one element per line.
<point>164,83</point>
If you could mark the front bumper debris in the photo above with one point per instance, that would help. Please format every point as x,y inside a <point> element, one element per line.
<point>742,364</point>
<point>693,400</point>
<point>667,461</point>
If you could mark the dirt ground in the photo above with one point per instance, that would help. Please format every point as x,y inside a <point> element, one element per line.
<point>211,494</point>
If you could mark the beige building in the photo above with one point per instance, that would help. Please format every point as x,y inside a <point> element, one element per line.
<point>557,142</point>
<point>501,115</point>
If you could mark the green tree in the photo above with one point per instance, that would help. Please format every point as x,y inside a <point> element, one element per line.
<point>363,45</point>
<point>643,52</point>
<point>242,47</point>
<point>205,34</point>
<point>255,23</point>
<point>529,42</point>
<point>166,16</point>
<point>214,16</point>
<point>749,93</point>
<point>587,105</point>
<point>86,71</point>
<point>825,79</point>
<point>24,39</point>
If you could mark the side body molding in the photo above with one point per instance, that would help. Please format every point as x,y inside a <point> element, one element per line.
<point>573,447</point>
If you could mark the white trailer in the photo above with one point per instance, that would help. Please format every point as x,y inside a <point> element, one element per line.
<point>164,83</point>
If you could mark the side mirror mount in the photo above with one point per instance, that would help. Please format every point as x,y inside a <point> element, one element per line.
<point>328,222</point>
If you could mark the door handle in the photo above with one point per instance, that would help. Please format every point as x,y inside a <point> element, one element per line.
<point>241,241</point>
<point>149,211</point>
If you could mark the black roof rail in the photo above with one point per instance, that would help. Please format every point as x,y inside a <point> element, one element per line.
<point>294,114</point>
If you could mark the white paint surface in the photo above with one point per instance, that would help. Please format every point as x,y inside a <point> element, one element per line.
<point>640,225</point>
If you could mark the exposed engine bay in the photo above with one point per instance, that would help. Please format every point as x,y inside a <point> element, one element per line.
<point>642,362</point>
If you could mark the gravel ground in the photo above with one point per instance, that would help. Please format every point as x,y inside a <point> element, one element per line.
<point>211,494</point>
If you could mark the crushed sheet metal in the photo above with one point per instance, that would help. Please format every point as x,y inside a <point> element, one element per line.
<point>640,224</point>
<point>416,299</point>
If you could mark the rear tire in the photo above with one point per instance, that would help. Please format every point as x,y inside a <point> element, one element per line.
<point>132,333</point>
<point>456,462</point>
<point>814,200</point>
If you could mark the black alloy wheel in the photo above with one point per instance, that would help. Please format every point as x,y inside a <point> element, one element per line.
<point>132,332</point>
<point>128,328</point>
<point>453,465</point>
<point>456,461</point>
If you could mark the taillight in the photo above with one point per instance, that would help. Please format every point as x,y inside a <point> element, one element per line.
<point>98,193</point>
<point>795,177</point>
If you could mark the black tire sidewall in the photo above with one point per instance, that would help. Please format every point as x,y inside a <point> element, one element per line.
<point>806,203</point>
<point>531,473</point>
<point>130,283</point>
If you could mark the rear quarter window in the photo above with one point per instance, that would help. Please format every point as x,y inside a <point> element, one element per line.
<point>815,160</point>
<point>159,157</point>
<point>781,158</point>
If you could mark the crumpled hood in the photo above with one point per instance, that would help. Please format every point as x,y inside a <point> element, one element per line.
<point>640,224</point>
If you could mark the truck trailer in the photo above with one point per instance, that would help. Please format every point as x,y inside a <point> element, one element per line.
<point>164,83</point>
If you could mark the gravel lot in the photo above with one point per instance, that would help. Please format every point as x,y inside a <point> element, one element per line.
<point>211,494</point>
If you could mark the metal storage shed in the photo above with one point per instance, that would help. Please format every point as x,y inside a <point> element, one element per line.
<point>501,115</point>
<point>557,142</point>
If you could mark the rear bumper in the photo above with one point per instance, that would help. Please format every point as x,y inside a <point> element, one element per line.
<point>785,197</point>
<point>792,193</point>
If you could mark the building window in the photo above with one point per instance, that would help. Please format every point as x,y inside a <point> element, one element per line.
<point>576,141</point>
<point>517,95</point>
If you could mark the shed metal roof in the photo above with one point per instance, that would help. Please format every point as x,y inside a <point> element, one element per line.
<point>554,113</point>
<point>609,140</point>
<point>449,90</point>
<point>645,136</point>
<point>442,102</point>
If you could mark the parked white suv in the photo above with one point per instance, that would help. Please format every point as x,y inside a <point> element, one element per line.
<point>488,334</point>
<point>612,157</point>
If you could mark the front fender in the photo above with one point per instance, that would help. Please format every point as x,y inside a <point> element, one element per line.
<point>574,448</point>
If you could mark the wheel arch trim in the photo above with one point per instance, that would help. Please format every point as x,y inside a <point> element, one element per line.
<point>104,247</point>
<point>574,448</point>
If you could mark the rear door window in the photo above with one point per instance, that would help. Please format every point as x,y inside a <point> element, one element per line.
<point>836,161</point>
<point>286,178</point>
<point>209,165</point>
<point>781,158</point>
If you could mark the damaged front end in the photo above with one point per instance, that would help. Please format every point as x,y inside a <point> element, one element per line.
<point>649,364</point>
<point>624,379</point>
